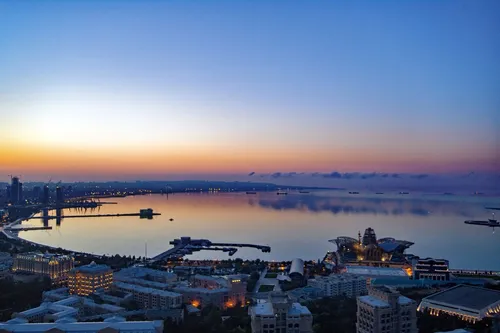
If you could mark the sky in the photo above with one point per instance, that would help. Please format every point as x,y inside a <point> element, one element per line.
<point>151,89</point>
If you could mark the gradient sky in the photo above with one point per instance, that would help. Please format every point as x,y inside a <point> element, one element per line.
<point>128,89</point>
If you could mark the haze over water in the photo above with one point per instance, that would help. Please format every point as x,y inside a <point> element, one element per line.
<point>296,225</point>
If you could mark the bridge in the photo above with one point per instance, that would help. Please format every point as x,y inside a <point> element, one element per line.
<point>186,245</point>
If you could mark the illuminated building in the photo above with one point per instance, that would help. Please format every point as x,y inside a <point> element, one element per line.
<point>368,249</point>
<point>465,302</point>
<point>431,269</point>
<point>55,266</point>
<point>221,291</point>
<point>340,285</point>
<point>384,310</point>
<point>279,315</point>
<point>86,280</point>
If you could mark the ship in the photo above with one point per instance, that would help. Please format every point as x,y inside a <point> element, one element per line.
<point>305,192</point>
<point>353,192</point>
<point>251,192</point>
<point>281,193</point>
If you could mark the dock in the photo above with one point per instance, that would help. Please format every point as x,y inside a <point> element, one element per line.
<point>30,228</point>
<point>186,245</point>
<point>50,217</point>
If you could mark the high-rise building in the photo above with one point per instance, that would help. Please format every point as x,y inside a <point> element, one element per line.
<point>349,285</point>
<point>55,266</point>
<point>46,195</point>
<point>8,192</point>
<point>384,310</point>
<point>15,188</point>
<point>280,315</point>
<point>37,192</point>
<point>59,195</point>
<point>21,196</point>
<point>86,280</point>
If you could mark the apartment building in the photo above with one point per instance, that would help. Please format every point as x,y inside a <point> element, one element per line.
<point>384,310</point>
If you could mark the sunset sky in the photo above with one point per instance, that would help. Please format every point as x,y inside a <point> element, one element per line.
<point>124,90</point>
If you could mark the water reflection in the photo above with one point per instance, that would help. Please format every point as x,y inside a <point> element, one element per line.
<point>373,206</point>
<point>294,225</point>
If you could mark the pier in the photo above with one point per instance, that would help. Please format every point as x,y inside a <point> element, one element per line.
<point>144,213</point>
<point>186,245</point>
<point>27,228</point>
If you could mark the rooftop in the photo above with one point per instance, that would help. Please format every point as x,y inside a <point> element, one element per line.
<point>339,277</point>
<point>83,326</point>
<point>92,268</point>
<point>475,298</point>
<point>376,271</point>
<point>405,300</point>
<point>298,309</point>
<point>44,256</point>
<point>263,309</point>
<point>187,289</point>
<point>128,286</point>
<point>143,272</point>
<point>373,301</point>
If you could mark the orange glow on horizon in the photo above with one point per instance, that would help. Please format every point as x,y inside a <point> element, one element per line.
<point>134,161</point>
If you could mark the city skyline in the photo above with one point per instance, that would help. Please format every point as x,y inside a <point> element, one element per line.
<point>125,90</point>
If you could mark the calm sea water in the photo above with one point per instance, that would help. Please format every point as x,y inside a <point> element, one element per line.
<point>296,225</point>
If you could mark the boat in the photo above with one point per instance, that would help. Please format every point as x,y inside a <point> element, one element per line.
<point>305,192</point>
<point>379,193</point>
<point>404,192</point>
<point>281,193</point>
<point>251,192</point>
<point>353,192</point>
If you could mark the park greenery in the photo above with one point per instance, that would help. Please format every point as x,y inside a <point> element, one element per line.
<point>20,296</point>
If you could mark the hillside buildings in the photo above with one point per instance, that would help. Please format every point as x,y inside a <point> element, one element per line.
<point>280,315</point>
<point>56,267</point>
<point>384,310</point>
<point>86,280</point>
<point>340,285</point>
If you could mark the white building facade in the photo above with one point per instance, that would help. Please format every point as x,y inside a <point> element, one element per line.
<point>280,315</point>
<point>348,285</point>
<point>384,310</point>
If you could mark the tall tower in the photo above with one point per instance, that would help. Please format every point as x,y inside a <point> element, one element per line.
<point>59,195</point>
<point>14,190</point>
<point>45,195</point>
